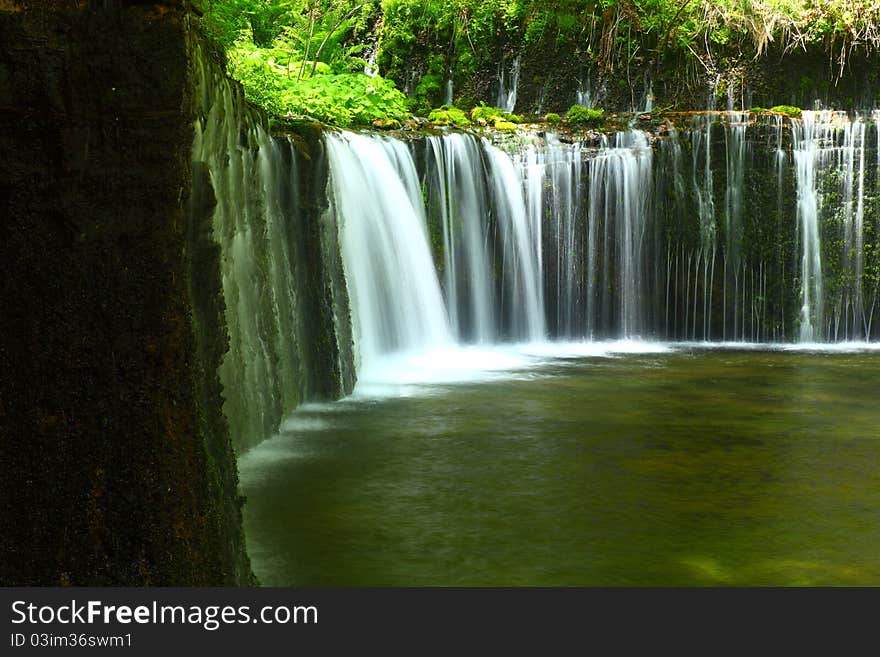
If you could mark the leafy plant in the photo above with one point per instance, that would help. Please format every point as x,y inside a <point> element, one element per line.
<point>449,115</point>
<point>420,43</point>
<point>343,99</point>
<point>580,115</point>
<point>429,90</point>
<point>501,124</point>
<point>486,115</point>
<point>788,110</point>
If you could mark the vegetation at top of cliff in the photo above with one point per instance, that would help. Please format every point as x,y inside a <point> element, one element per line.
<point>329,95</point>
<point>312,57</point>
<point>303,58</point>
<point>616,31</point>
<point>429,42</point>
<point>487,115</point>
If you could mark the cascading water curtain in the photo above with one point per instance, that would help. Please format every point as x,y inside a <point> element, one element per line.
<point>396,301</point>
<point>458,240</point>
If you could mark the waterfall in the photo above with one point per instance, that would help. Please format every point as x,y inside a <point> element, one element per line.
<point>808,155</point>
<point>854,241</point>
<point>522,297</point>
<point>554,183</point>
<point>648,96</point>
<point>343,251</point>
<point>703,184</point>
<point>735,145</point>
<point>447,92</point>
<point>286,331</point>
<point>396,302</point>
<point>619,190</point>
<point>830,151</point>
<point>781,159</point>
<point>876,116</point>
<point>256,388</point>
<point>457,195</point>
<point>585,92</point>
<point>507,86</point>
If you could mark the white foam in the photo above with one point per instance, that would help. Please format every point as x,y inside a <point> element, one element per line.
<point>609,349</point>
<point>415,374</point>
<point>297,422</point>
<point>406,374</point>
<point>252,463</point>
<point>811,347</point>
<point>832,347</point>
<point>284,445</point>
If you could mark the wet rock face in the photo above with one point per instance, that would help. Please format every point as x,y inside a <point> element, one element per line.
<point>117,467</point>
<point>553,72</point>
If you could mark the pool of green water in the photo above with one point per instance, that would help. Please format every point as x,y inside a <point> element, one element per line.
<point>690,467</point>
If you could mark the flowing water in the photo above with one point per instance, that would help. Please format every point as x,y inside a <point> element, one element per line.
<point>727,229</point>
<point>465,291</point>
<point>678,465</point>
<point>508,83</point>
<point>447,92</point>
<point>396,301</point>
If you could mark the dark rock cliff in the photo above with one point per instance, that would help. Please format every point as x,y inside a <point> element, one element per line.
<point>116,459</point>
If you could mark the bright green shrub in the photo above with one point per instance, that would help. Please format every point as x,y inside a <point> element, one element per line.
<point>788,110</point>
<point>487,115</point>
<point>580,115</point>
<point>342,99</point>
<point>449,115</point>
<point>501,124</point>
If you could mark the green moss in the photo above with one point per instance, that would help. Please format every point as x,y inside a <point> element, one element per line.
<point>449,115</point>
<point>788,110</point>
<point>486,115</point>
<point>552,117</point>
<point>580,115</point>
<point>429,90</point>
<point>426,94</point>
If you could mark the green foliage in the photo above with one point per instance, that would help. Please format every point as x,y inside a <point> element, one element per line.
<point>482,115</point>
<point>261,22</point>
<point>343,99</point>
<point>429,91</point>
<point>759,110</point>
<point>463,34</point>
<point>449,115</point>
<point>580,115</point>
<point>473,35</point>
<point>552,117</point>
<point>486,115</point>
<point>788,110</point>
<point>302,58</point>
<point>347,99</point>
<point>422,42</point>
